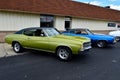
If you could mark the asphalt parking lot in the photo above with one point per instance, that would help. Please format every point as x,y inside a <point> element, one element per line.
<point>98,64</point>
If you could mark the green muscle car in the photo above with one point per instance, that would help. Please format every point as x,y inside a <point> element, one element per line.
<point>48,39</point>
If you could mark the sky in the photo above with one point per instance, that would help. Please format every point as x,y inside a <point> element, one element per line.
<point>114,4</point>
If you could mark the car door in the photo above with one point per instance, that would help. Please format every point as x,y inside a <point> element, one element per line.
<point>36,40</point>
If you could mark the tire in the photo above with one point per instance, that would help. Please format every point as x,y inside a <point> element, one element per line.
<point>17,47</point>
<point>101,44</point>
<point>64,53</point>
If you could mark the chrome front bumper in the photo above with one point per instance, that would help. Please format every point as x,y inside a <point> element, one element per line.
<point>86,46</point>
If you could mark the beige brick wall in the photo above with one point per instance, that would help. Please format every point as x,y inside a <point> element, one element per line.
<point>101,31</point>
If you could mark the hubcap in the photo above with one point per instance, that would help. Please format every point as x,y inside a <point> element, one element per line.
<point>100,44</point>
<point>16,47</point>
<point>63,54</point>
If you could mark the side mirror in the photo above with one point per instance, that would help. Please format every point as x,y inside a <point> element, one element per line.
<point>42,34</point>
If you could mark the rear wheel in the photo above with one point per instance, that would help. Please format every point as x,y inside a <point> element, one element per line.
<point>101,44</point>
<point>17,47</point>
<point>64,53</point>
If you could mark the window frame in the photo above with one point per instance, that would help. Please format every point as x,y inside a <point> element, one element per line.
<point>47,20</point>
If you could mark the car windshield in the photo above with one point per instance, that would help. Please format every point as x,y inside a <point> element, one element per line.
<point>51,31</point>
<point>89,32</point>
<point>81,31</point>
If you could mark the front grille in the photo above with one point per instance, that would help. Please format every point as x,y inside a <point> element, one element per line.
<point>117,39</point>
<point>87,44</point>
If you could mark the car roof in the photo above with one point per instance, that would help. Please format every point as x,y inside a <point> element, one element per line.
<point>37,28</point>
<point>24,29</point>
<point>78,28</point>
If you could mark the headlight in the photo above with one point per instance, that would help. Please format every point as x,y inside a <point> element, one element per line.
<point>117,39</point>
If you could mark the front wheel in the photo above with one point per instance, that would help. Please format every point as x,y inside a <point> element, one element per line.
<point>17,47</point>
<point>101,44</point>
<point>64,53</point>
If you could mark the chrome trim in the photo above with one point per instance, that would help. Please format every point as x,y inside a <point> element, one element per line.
<point>40,49</point>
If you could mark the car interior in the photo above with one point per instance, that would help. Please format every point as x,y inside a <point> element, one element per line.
<point>35,32</point>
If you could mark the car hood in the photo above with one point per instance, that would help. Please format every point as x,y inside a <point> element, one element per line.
<point>100,36</point>
<point>71,39</point>
<point>93,36</point>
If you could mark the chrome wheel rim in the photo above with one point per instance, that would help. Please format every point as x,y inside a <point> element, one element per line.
<point>63,54</point>
<point>100,44</point>
<point>17,47</point>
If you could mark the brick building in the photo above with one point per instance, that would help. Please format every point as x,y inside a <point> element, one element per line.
<point>61,14</point>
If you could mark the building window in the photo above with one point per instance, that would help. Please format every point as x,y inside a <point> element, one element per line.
<point>46,21</point>
<point>111,24</point>
<point>67,23</point>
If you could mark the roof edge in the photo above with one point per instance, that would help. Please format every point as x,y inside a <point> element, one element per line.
<point>38,13</point>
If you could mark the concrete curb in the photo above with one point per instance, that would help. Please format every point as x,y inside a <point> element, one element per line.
<point>2,51</point>
<point>6,50</point>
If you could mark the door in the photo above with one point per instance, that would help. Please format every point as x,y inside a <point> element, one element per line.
<point>35,38</point>
<point>67,23</point>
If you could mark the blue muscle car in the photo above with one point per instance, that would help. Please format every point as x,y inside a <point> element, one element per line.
<point>99,40</point>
